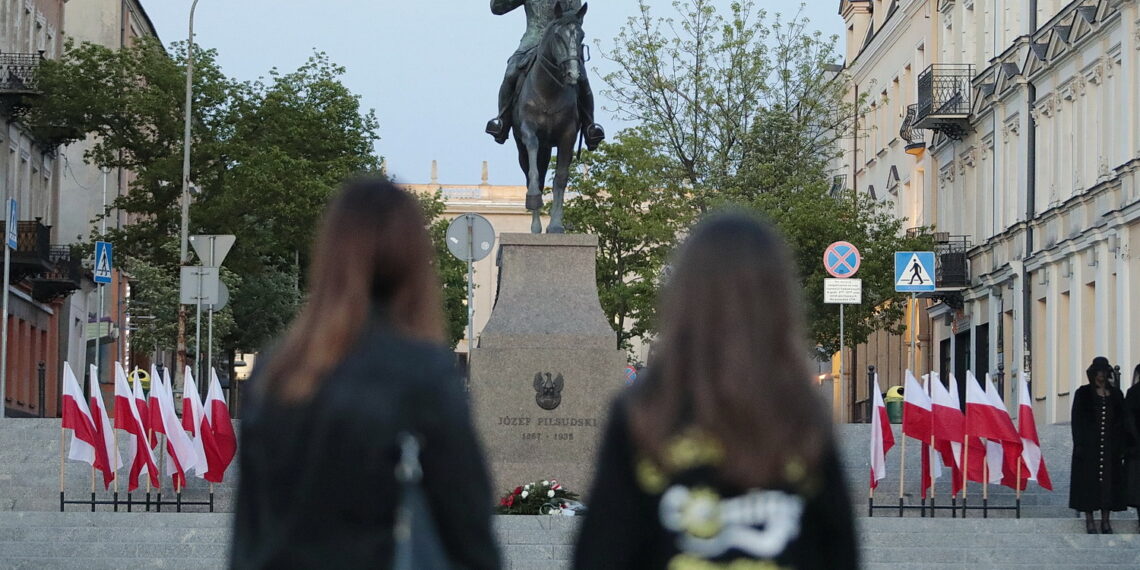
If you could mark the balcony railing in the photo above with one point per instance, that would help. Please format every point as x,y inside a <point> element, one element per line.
<point>945,98</point>
<point>915,142</point>
<point>65,275</point>
<point>33,249</point>
<point>18,72</point>
<point>953,265</point>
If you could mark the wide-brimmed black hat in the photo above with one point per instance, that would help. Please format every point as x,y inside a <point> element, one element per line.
<point>1099,363</point>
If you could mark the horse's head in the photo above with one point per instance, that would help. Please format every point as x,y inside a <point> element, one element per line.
<point>566,38</point>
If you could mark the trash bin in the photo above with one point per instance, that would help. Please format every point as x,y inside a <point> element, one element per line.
<point>894,402</point>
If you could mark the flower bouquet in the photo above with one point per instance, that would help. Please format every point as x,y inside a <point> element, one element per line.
<point>538,498</point>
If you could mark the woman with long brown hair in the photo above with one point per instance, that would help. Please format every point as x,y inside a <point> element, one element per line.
<point>362,363</point>
<point>724,454</point>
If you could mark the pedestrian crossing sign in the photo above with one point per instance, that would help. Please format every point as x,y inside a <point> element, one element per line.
<point>102,273</point>
<point>914,271</point>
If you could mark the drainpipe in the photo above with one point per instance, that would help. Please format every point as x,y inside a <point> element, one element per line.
<point>1030,203</point>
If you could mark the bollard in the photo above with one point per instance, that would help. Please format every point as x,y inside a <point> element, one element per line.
<point>43,394</point>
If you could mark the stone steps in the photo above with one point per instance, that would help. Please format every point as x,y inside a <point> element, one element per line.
<point>162,540</point>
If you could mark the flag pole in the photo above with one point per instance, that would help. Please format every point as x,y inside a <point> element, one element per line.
<point>62,442</point>
<point>965,470</point>
<point>985,484</point>
<point>902,465</point>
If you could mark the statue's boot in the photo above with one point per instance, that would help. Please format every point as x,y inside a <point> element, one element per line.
<point>594,134</point>
<point>498,129</point>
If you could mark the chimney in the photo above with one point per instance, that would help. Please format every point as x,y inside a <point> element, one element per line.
<point>434,172</point>
<point>484,182</point>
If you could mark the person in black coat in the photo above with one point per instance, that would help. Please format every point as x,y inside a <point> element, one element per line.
<point>723,454</point>
<point>1132,460</point>
<point>1099,441</point>
<point>362,363</point>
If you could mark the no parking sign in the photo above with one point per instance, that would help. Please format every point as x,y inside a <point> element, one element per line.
<point>841,259</point>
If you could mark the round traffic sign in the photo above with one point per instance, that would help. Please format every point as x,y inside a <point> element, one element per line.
<point>470,237</point>
<point>841,259</point>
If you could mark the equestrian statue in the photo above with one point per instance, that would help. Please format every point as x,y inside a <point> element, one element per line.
<point>545,99</point>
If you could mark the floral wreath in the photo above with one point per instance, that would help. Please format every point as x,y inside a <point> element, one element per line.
<point>547,497</point>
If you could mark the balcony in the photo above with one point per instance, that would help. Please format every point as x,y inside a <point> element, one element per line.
<point>33,249</point>
<point>17,79</point>
<point>951,263</point>
<point>915,142</point>
<point>65,276</point>
<point>945,98</point>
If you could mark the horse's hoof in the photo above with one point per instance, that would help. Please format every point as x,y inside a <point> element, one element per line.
<point>555,230</point>
<point>534,202</point>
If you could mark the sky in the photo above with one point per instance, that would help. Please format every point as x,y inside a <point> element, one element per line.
<point>430,68</point>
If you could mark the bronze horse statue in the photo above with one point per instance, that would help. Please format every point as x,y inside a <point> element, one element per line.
<point>546,114</point>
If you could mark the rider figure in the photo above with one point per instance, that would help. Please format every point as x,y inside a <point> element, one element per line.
<point>539,16</point>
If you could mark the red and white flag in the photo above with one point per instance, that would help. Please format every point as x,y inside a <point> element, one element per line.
<point>882,438</point>
<point>220,452</point>
<point>1008,452</point>
<point>192,418</point>
<point>103,429</point>
<point>179,449</point>
<point>1031,444</point>
<point>85,443</point>
<point>917,417</point>
<point>153,410</point>
<point>986,417</point>
<point>142,408</point>
<point>128,419</point>
<point>949,426</point>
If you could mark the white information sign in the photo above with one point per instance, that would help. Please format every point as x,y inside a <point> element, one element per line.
<point>843,291</point>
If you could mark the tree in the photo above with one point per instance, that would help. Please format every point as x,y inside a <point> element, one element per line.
<point>747,107</point>
<point>694,83</point>
<point>452,271</point>
<point>267,155</point>
<point>632,199</point>
<point>810,219</point>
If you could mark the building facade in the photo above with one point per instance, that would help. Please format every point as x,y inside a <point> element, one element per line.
<point>1031,114</point>
<point>43,272</point>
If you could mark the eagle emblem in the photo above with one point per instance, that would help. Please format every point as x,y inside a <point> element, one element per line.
<point>548,391</point>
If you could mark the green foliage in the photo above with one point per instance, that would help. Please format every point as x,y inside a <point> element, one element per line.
<point>266,156</point>
<point>631,198</point>
<point>153,304</point>
<point>452,272</point>
<point>811,219</point>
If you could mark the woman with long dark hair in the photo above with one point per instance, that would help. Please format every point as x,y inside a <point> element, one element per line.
<point>724,453</point>
<point>362,363</point>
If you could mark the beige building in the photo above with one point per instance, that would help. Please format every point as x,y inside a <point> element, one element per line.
<point>1030,111</point>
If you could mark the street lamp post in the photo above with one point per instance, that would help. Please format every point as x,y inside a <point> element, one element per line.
<point>184,245</point>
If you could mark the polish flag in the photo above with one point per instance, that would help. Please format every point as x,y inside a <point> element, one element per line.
<point>192,418</point>
<point>77,417</point>
<point>224,442</point>
<point>917,417</point>
<point>128,419</point>
<point>949,425</point>
<point>142,409</point>
<point>179,449</point>
<point>1034,462</point>
<point>882,438</point>
<point>987,417</point>
<point>154,411</point>
<point>931,467</point>
<point>1010,451</point>
<point>103,429</point>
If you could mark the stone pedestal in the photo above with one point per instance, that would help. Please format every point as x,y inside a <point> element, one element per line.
<point>546,367</point>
